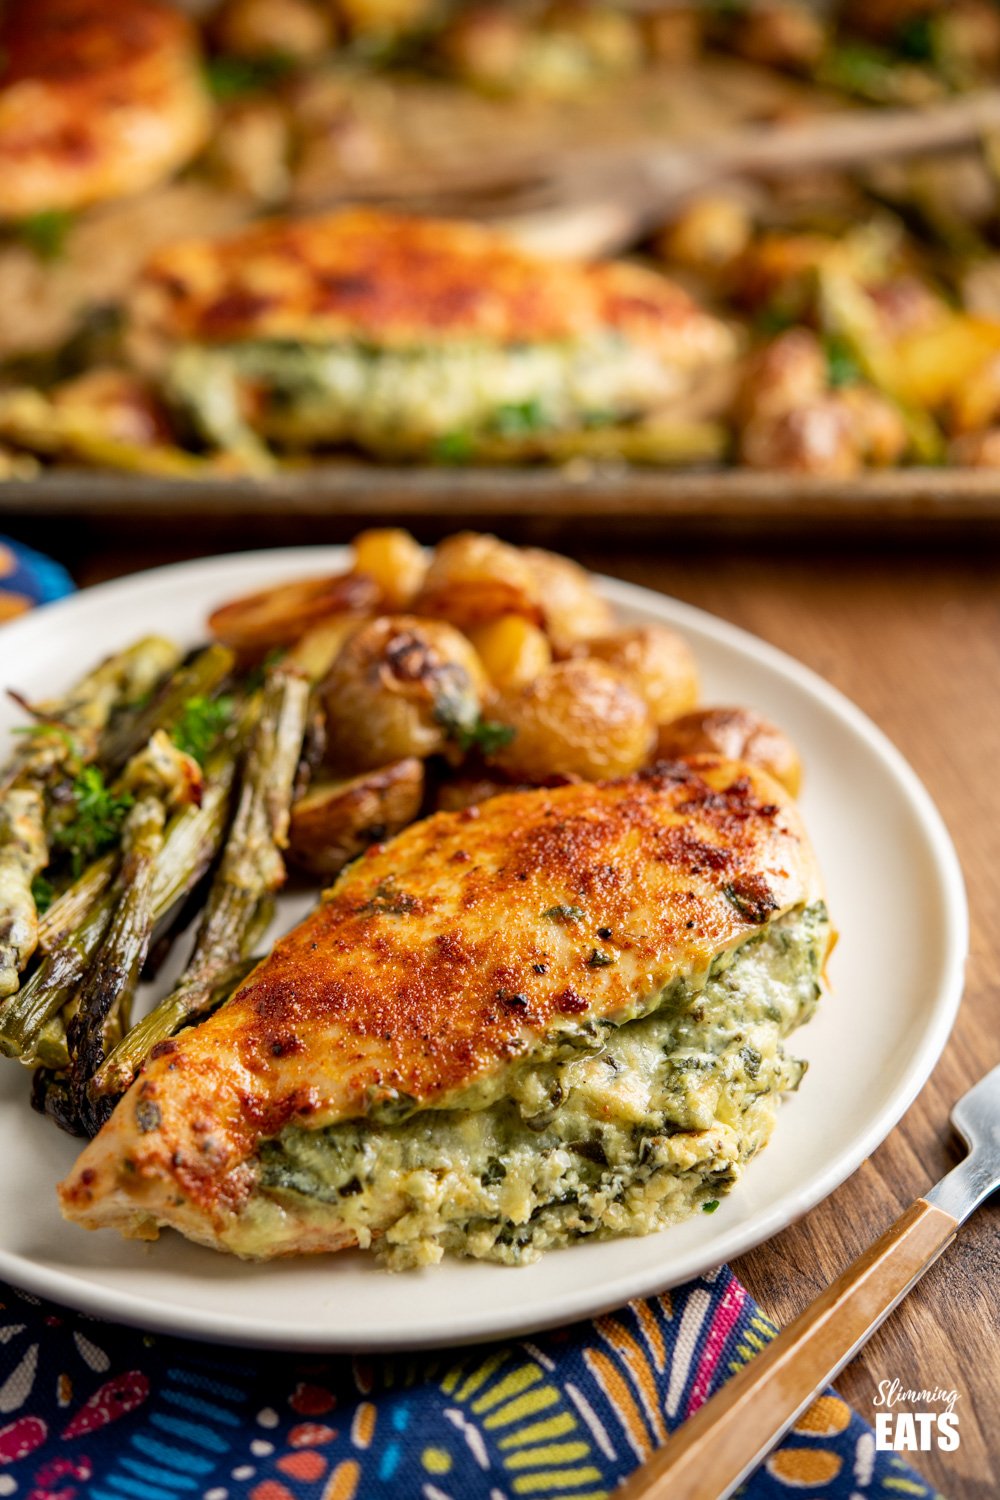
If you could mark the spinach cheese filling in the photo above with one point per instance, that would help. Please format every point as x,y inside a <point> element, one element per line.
<point>645,1123</point>
<point>409,399</point>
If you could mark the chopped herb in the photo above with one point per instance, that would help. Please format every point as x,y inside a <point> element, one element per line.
<point>773,319</point>
<point>52,731</point>
<point>754,902</point>
<point>564,913</point>
<point>45,233</point>
<point>148,1116</point>
<point>486,735</point>
<point>96,822</point>
<point>201,723</point>
<point>453,448</point>
<point>514,418</point>
<point>842,367</point>
<point>599,960</point>
<point>43,893</point>
<point>751,1061</point>
<point>388,901</point>
<point>710,1206</point>
<point>230,78</point>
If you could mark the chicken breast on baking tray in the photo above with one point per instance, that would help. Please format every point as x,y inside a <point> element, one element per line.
<point>399,334</point>
<point>96,101</point>
<point>560,1015</point>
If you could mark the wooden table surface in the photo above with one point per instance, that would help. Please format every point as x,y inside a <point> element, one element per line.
<point>915,641</point>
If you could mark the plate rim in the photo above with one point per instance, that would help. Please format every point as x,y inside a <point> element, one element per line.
<point>590,1300</point>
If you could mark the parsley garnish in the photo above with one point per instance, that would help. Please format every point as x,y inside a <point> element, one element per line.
<point>200,725</point>
<point>43,893</point>
<point>564,913</point>
<point>96,821</point>
<point>453,448</point>
<point>45,233</point>
<point>514,418</point>
<point>842,367</point>
<point>485,735</point>
<point>230,78</point>
<point>599,960</point>
<point>42,729</point>
<point>710,1206</point>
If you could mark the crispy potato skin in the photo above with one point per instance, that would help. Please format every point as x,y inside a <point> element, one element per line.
<point>580,718</point>
<point>572,609</point>
<point>337,820</point>
<point>393,688</point>
<point>370,275</point>
<point>738,734</point>
<point>432,965</point>
<point>474,577</point>
<point>285,613</point>
<point>96,101</point>
<point>658,663</point>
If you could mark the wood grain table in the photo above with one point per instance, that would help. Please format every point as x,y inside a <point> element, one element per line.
<point>914,639</point>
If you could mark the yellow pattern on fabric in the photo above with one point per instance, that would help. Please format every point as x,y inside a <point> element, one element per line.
<point>551,1453</point>
<point>558,1479</point>
<point>540,1432</point>
<point>479,1377</point>
<point>525,1406</point>
<point>511,1385</point>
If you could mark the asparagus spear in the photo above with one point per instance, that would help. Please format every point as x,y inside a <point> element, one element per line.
<point>115,967</point>
<point>251,869</point>
<point>67,730</point>
<point>200,677</point>
<point>67,733</point>
<point>23,855</point>
<point>68,909</point>
<point>51,1093</point>
<point>191,841</point>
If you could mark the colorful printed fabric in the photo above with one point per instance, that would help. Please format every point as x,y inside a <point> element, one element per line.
<point>28,578</point>
<point>90,1411</point>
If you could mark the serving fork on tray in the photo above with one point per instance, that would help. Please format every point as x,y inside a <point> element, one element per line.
<point>720,1445</point>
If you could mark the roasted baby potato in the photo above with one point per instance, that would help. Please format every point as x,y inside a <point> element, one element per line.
<point>572,608</point>
<point>395,560</point>
<point>337,820</point>
<point>512,649</point>
<point>657,662</point>
<point>474,577</point>
<point>274,28</point>
<point>401,686</point>
<point>580,718</point>
<point>278,616</point>
<point>738,734</point>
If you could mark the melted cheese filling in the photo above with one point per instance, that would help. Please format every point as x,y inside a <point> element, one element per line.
<point>657,1120</point>
<point>398,400</point>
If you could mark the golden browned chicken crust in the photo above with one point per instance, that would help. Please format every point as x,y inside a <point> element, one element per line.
<point>367,275</point>
<point>435,964</point>
<point>96,101</point>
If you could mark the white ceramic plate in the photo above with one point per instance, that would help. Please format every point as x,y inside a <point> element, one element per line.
<point>896,894</point>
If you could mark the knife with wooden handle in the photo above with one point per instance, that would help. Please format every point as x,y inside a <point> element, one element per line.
<point>725,1440</point>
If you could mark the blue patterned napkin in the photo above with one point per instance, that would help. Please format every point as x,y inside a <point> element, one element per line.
<point>28,578</point>
<point>90,1411</point>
